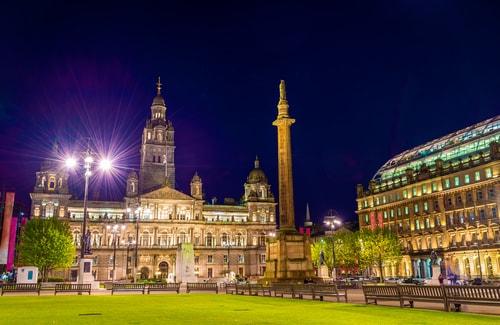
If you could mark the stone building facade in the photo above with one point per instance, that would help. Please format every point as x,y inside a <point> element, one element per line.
<point>154,217</point>
<point>442,196</point>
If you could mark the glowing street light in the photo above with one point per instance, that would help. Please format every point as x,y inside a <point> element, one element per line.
<point>72,163</point>
<point>332,222</point>
<point>105,164</point>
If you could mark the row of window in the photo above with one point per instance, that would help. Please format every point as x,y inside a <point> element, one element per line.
<point>429,188</point>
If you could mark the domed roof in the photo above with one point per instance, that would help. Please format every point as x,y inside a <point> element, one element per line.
<point>256,175</point>
<point>158,100</point>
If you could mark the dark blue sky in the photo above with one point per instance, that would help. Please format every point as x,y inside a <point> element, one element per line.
<point>365,80</point>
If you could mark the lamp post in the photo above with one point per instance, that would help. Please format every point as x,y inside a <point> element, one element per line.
<point>72,163</point>
<point>332,221</point>
<point>137,216</point>
<point>228,246</point>
<point>129,243</point>
<point>115,229</point>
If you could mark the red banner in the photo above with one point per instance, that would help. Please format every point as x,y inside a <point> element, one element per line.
<point>7,219</point>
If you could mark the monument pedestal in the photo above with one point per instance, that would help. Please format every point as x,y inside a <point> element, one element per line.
<point>184,263</point>
<point>288,259</point>
<point>436,271</point>
<point>85,273</point>
<point>323,272</point>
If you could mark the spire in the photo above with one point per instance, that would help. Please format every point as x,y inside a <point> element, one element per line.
<point>283,103</point>
<point>158,86</point>
<point>256,162</point>
<point>308,215</point>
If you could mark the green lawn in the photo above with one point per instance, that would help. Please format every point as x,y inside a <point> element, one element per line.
<point>213,309</point>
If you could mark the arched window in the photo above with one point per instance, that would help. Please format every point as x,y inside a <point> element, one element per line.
<point>239,240</point>
<point>52,183</point>
<point>210,240</point>
<point>224,239</point>
<point>145,240</point>
<point>489,266</point>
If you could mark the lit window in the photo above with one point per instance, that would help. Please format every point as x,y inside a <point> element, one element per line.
<point>457,181</point>
<point>399,212</point>
<point>415,207</point>
<point>367,220</point>
<point>405,194</point>
<point>414,191</point>
<point>488,173</point>
<point>392,213</point>
<point>385,214</point>
<point>467,179</point>
<point>407,211</point>
<point>447,183</point>
<point>477,176</point>
<point>384,199</point>
<point>424,189</point>
<point>426,206</point>
<point>225,259</point>
<point>377,201</point>
<point>210,259</point>
<point>434,186</point>
<point>417,224</point>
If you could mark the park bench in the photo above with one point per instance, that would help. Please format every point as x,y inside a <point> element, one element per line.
<point>69,287</point>
<point>425,293</point>
<point>255,289</point>
<point>375,292</point>
<point>208,286</point>
<point>231,288</point>
<point>116,287</point>
<point>329,290</point>
<point>21,287</point>
<point>471,295</point>
<point>299,290</point>
<point>164,287</point>
<point>281,289</point>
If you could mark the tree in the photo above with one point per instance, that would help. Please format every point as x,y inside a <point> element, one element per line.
<point>46,244</point>
<point>379,246</point>
<point>346,246</point>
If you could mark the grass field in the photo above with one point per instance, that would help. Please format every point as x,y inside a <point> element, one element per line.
<point>213,309</point>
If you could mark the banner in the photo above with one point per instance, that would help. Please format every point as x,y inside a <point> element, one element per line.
<point>12,244</point>
<point>7,219</point>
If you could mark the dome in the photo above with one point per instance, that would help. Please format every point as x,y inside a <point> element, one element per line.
<point>256,175</point>
<point>158,101</point>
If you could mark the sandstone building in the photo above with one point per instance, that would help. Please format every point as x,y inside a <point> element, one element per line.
<point>154,217</point>
<point>442,196</point>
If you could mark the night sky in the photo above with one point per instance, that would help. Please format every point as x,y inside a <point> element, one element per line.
<point>365,81</point>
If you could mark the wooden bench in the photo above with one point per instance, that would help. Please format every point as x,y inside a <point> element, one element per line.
<point>69,287</point>
<point>194,286</point>
<point>376,292</point>
<point>21,287</point>
<point>128,287</point>
<point>281,290</point>
<point>255,289</point>
<point>425,293</point>
<point>164,287</point>
<point>329,290</point>
<point>471,295</point>
<point>231,288</point>
<point>299,290</point>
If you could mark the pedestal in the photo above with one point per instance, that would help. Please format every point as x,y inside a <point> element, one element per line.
<point>27,274</point>
<point>323,272</point>
<point>288,259</point>
<point>184,263</point>
<point>436,271</point>
<point>85,273</point>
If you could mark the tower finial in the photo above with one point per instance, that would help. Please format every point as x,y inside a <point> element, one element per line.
<point>256,162</point>
<point>158,86</point>
<point>282,90</point>
<point>308,215</point>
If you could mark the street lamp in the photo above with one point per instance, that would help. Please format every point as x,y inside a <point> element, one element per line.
<point>228,245</point>
<point>332,221</point>
<point>115,229</point>
<point>72,163</point>
<point>130,242</point>
<point>137,217</point>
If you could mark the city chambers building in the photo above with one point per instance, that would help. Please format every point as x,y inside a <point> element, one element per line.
<point>441,196</point>
<point>154,217</point>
